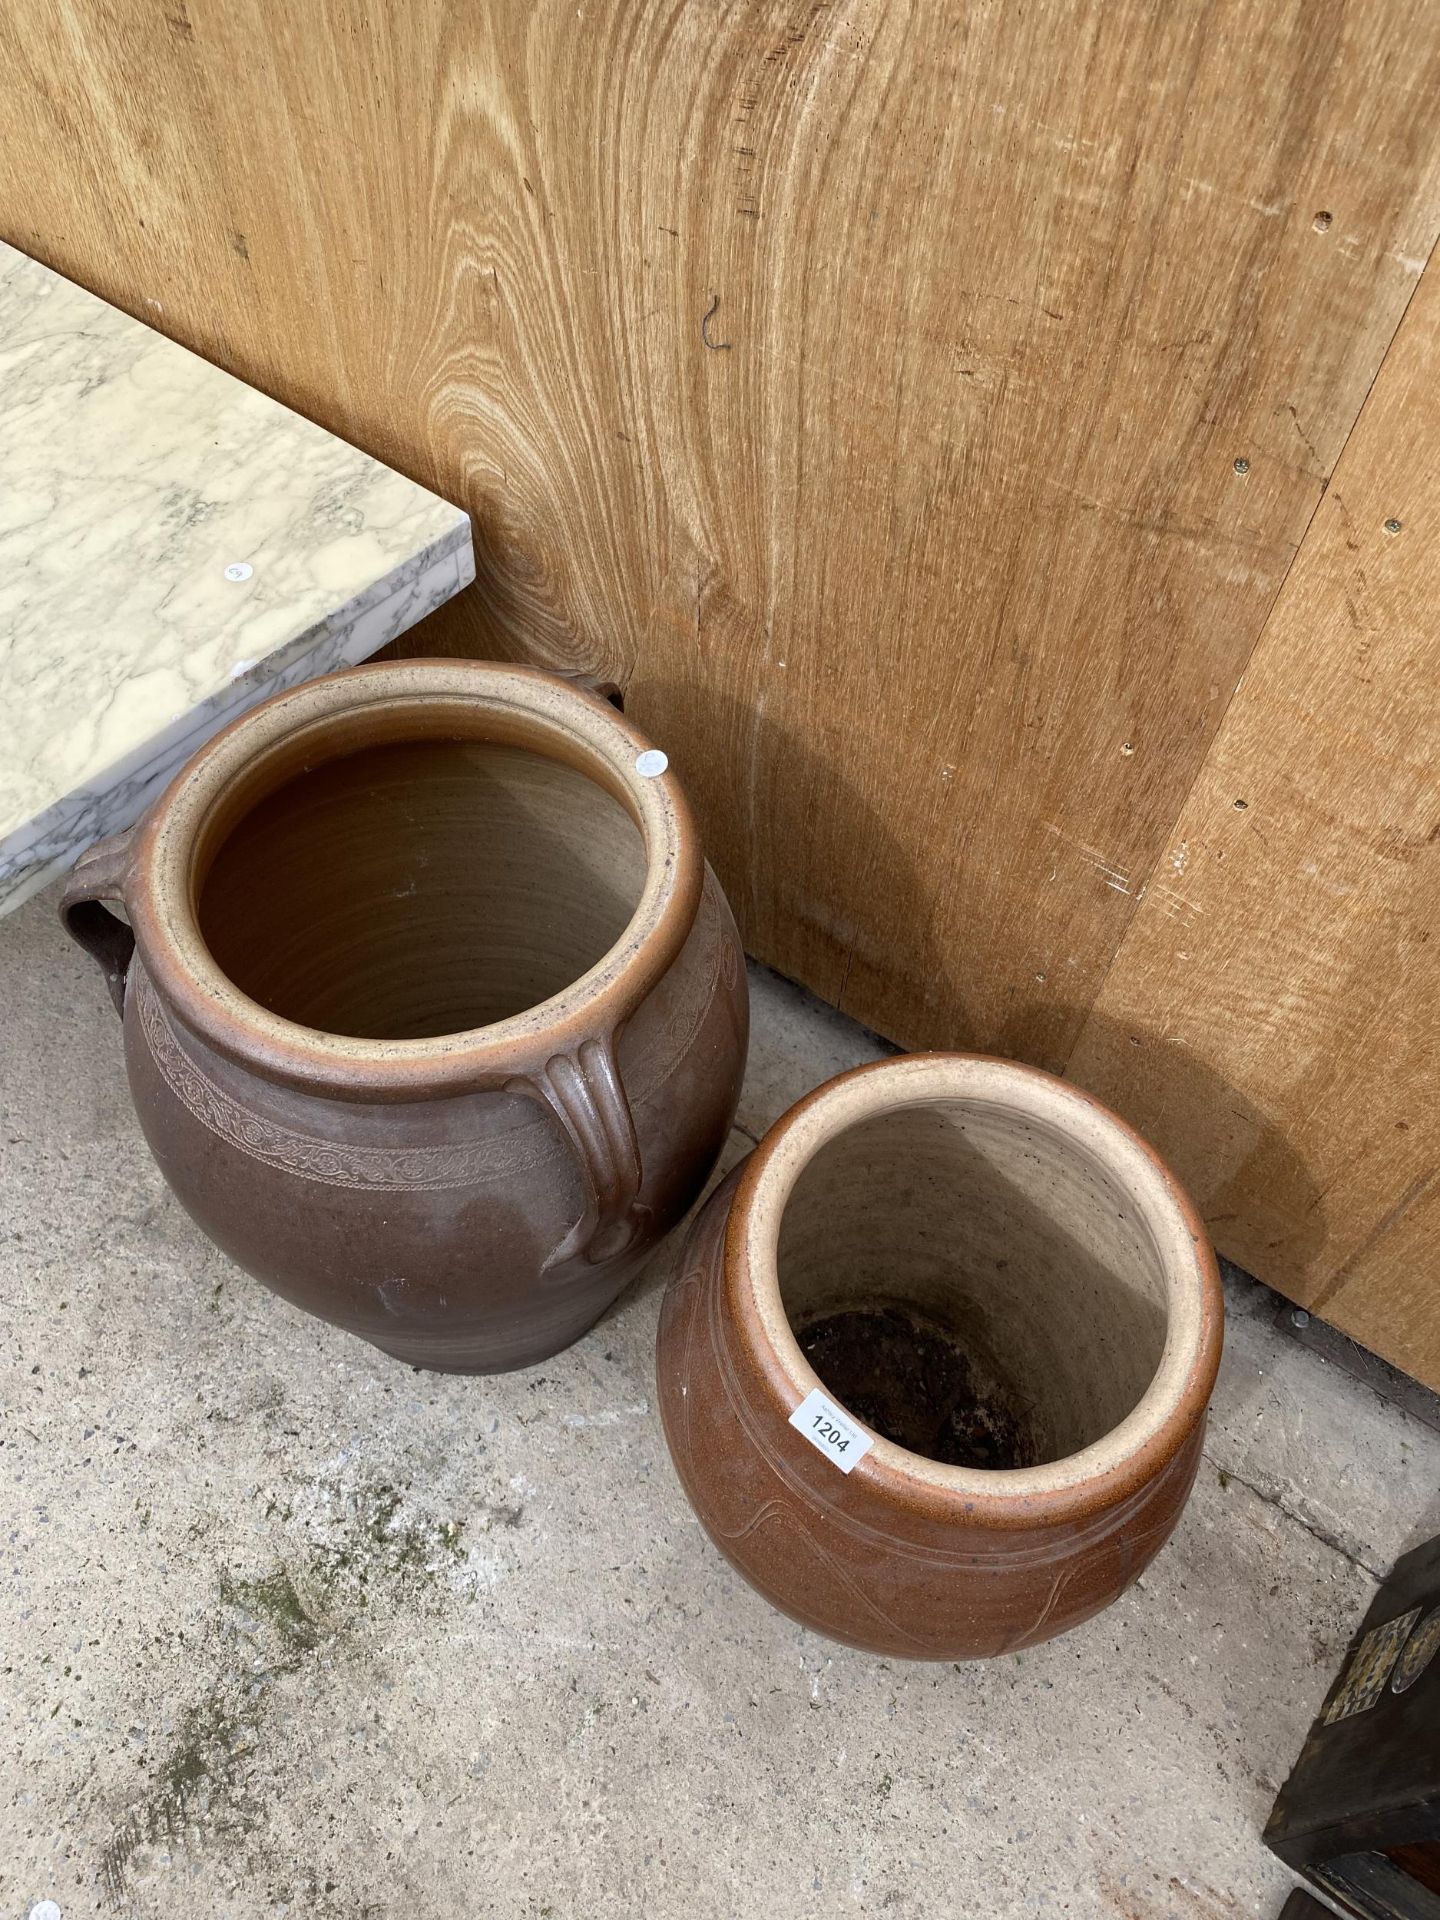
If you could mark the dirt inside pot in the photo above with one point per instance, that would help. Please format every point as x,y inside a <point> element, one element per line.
<point>972,1284</point>
<point>910,1379</point>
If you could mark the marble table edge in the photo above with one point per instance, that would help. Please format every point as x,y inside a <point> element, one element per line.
<point>46,846</point>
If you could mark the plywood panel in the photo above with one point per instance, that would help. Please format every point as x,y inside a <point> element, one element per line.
<point>1273,1017</point>
<point>864,384</point>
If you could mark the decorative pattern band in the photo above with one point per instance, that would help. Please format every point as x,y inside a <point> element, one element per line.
<point>333,1163</point>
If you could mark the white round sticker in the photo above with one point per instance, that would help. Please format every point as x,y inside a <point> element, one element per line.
<point>239,570</point>
<point>651,762</point>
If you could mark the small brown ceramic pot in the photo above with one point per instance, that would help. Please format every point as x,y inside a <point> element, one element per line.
<point>935,1360</point>
<point>434,1015</point>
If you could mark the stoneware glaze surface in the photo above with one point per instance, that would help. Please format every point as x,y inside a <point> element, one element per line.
<point>434,1016</point>
<point>1007,1223</point>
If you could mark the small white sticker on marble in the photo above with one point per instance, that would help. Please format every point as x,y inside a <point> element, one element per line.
<point>133,476</point>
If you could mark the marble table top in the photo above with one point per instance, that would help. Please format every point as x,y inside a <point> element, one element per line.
<point>174,546</point>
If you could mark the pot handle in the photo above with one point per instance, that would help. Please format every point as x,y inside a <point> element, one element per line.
<point>583,1090</point>
<point>99,874</point>
<point>602,689</point>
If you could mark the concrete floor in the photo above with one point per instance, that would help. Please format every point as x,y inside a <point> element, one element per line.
<point>288,1628</point>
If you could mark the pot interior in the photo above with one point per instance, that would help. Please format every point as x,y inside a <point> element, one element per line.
<point>424,887</point>
<point>972,1284</point>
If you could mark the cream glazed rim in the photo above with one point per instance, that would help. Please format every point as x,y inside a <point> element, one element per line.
<point>521,705</point>
<point>1180,1388</point>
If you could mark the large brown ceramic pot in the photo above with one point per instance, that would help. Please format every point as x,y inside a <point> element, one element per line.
<point>435,1017</point>
<point>935,1360</point>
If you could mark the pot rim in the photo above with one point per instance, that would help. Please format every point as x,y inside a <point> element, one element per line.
<point>347,711</point>
<point>1121,1461</point>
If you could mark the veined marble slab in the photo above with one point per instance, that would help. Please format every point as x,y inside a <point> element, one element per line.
<point>137,482</point>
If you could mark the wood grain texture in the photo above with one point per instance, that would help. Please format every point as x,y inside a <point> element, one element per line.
<point>862,384</point>
<point>1272,1021</point>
